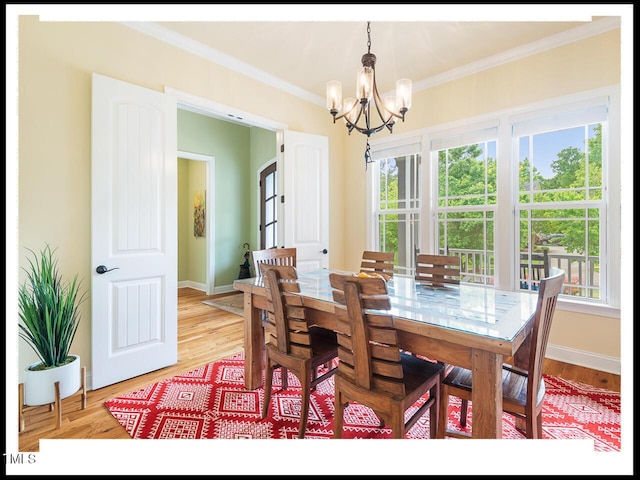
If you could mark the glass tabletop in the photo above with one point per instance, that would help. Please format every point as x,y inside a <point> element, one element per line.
<point>476,309</point>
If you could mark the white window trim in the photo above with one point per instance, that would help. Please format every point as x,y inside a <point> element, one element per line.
<point>504,214</point>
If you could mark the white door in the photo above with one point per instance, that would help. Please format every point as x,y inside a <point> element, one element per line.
<point>134,231</point>
<point>305,172</point>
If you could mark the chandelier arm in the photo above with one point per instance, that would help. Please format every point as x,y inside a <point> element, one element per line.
<point>344,114</point>
<point>379,103</point>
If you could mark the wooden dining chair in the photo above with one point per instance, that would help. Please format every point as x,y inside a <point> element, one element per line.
<point>291,342</point>
<point>274,256</point>
<point>378,262</point>
<point>533,268</point>
<point>372,370</point>
<point>523,390</point>
<point>437,269</point>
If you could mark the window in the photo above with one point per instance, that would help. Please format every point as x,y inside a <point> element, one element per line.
<point>561,203</point>
<point>508,189</point>
<point>397,205</point>
<point>465,188</point>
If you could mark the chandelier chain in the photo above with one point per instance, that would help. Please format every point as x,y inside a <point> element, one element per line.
<point>368,37</point>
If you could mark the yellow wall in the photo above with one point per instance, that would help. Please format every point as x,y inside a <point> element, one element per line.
<point>56,60</point>
<point>192,250</point>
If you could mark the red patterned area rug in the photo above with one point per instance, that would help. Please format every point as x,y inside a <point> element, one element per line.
<point>211,402</point>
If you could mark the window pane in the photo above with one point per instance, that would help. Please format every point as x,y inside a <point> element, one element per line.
<point>269,210</point>
<point>558,167</point>
<point>467,175</point>
<point>572,243</point>
<point>467,195</point>
<point>270,185</point>
<point>470,236</point>
<point>398,210</point>
<point>270,236</point>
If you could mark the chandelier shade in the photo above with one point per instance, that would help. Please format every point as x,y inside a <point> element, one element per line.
<point>359,113</point>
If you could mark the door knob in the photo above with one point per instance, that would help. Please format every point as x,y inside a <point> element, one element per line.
<point>102,269</point>
<point>324,250</point>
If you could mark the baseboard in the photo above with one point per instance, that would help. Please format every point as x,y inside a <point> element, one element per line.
<point>203,288</point>
<point>581,358</point>
<point>195,285</point>
<point>224,289</point>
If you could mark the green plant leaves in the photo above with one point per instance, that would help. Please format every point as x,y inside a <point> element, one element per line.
<point>48,309</point>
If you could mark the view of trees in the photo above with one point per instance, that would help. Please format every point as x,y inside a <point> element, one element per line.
<point>467,180</point>
<point>571,169</point>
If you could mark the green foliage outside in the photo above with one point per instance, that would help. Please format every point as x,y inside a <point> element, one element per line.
<point>466,179</point>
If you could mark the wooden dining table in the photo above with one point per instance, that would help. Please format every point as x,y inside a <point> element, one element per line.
<point>468,325</point>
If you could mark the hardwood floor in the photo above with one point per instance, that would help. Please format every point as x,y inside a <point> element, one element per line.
<point>205,334</point>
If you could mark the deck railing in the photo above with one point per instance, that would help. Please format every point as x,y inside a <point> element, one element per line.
<point>582,274</point>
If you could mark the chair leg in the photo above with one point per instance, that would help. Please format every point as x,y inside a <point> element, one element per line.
<point>397,424</point>
<point>464,407</point>
<point>338,414</point>
<point>284,376</point>
<point>538,426</point>
<point>306,398</point>
<point>443,413</point>
<point>434,410</point>
<point>268,380</point>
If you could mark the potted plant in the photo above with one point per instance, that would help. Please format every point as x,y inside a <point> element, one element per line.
<point>49,319</point>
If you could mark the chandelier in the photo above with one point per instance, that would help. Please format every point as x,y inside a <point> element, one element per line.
<point>357,112</point>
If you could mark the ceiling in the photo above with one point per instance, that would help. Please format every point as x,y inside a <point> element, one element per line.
<point>304,55</point>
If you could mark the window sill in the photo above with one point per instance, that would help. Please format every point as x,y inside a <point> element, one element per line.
<point>588,308</point>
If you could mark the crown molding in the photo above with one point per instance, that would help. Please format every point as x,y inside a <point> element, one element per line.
<point>227,61</point>
<point>549,43</point>
<point>222,59</point>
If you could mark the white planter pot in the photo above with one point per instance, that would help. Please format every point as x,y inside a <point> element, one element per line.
<point>39,385</point>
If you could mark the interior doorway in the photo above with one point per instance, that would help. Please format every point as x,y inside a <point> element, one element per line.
<point>209,224</point>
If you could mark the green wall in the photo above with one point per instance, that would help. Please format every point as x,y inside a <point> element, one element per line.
<point>239,151</point>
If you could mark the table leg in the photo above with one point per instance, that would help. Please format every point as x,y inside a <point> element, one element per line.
<point>253,344</point>
<point>486,400</point>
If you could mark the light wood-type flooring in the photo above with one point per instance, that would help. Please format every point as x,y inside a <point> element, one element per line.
<point>205,334</point>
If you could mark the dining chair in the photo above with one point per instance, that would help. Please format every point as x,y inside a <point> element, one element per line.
<point>378,262</point>
<point>291,342</point>
<point>372,370</point>
<point>437,269</point>
<point>274,256</point>
<point>523,390</point>
<point>535,263</point>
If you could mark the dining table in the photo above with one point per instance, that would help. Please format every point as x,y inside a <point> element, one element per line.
<point>469,325</point>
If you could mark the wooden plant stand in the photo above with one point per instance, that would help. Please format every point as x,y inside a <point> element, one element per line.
<point>57,405</point>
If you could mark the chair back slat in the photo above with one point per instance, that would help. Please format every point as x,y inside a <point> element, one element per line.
<point>378,262</point>
<point>437,269</point>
